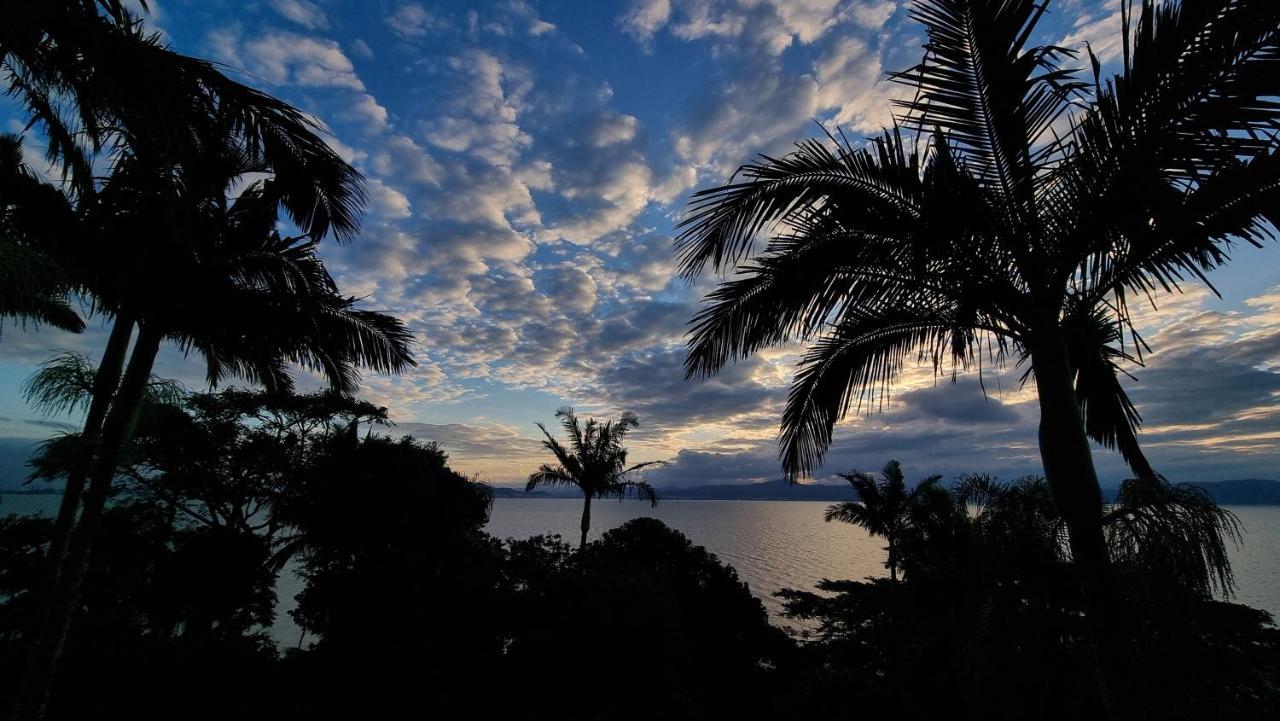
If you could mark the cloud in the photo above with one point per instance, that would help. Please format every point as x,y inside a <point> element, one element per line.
<point>366,111</point>
<point>769,25</point>
<point>522,196</point>
<point>613,128</point>
<point>285,58</point>
<point>873,15</point>
<point>387,201</point>
<point>411,20</point>
<point>645,18</point>
<point>483,115</point>
<point>303,12</point>
<point>763,104</point>
<point>1100,32</point>
<point>570,288</point>
<point>362,49</point>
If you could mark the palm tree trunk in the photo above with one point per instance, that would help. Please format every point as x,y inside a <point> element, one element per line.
<point>586,520</point>
<point>1077,495</point>
<point>893,558</point>
<point>32,699</point>
<point>105,381</point>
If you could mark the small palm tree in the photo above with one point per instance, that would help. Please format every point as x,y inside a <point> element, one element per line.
<point>595,463</point>
<point>885,507</point>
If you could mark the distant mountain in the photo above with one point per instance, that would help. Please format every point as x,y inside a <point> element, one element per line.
<point>1238,492</point>
<point>1241,492</point>
<point>507,492</point>
<point>1244,492</point>
<point>779,490</point>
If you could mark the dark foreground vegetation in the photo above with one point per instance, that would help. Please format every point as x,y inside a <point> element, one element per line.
<point>408,603</point>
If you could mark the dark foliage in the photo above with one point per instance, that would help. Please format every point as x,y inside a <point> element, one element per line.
<point>645,625</point>
<point>991,608</point>
<point>179,608</point>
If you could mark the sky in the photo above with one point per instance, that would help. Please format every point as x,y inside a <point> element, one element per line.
<point>527,163</point>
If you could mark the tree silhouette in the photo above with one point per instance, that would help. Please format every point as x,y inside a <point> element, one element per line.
<point>95,82</point>
<point>250,301</point>
<point>595,463</point>
<point>167,250</point>
<point>885,507</point>
<point>1019,221</point>
<point>33,287</point>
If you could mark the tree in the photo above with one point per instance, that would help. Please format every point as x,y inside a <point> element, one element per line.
<point>994,606</point>
<point>402,584</point>
<point>170,252</point>
<point>33,287</point>
<point>95,82</point>
<point>247,299</point>
<point>1018,221</point>
<point>595,463</point>
<point>886,508</point>
<point>642,599</point>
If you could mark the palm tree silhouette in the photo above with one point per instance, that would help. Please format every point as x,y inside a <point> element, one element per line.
<point>189,264</point>
<point>33,287</point>
<point>595,463</point>
<point>95,81</point>
<point>885,507</point>
<point>1012,211</point>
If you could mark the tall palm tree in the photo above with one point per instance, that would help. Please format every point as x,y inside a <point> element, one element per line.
<point>218,278</point>
<point>1012,211</point>
<point>94,81</point>
<point>595,462</point>
<point>885,507</point>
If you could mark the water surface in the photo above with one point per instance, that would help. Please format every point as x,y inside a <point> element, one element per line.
<point>772,544</point>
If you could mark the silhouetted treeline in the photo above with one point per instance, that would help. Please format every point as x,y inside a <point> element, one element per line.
<point>988,621</point>
<point>408,603</point>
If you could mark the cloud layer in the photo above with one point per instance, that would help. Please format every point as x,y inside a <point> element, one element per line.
<point>525,174</point>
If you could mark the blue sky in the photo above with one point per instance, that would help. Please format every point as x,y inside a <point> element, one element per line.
<point>526,164</point>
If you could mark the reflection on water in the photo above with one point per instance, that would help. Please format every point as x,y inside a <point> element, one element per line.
<point>786,544</point>
<point>772,544</point>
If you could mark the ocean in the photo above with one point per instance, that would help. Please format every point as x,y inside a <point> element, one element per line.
<point>772,544</point>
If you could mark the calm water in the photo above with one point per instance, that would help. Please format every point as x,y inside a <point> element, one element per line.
<point>772,544</point>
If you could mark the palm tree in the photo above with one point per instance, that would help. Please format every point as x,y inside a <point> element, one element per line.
<point>1013,210</point>
<point>33,287</point>
<point>93,80</point>
<point>595,463</point>
<point>246,322</point>
<point>885,507</point>
<point>218,278</point>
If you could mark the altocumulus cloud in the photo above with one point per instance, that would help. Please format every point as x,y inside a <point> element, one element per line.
<point>527,164</point>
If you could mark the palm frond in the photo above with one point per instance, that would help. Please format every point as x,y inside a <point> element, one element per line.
<point>1175,533</point>
<point>851,512</point>
<point>853,364</point>
<point>62,384</point>
<point>1110,417</point>
<point>722,223</point>
<point>639,489</point>
<point>548,475</point>
<point>985,89</point>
